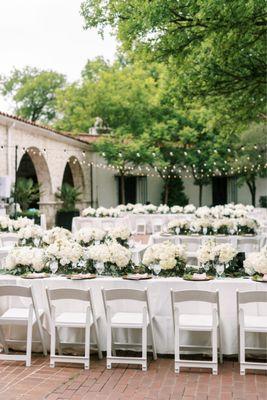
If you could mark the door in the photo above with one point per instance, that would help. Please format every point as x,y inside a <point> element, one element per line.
<point>219,190</point>
<point>130,189</point>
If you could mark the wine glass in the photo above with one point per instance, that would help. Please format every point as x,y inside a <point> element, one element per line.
<point>156,269</point>
<point>215,230</point>
<point>205,231</point>
<point>99,266</point>
<point>54,267</point>
<point>177,230</point>
<point>36,242</point>
<point>232,231</point>
<point>219,270</point>
<point>205,266</point>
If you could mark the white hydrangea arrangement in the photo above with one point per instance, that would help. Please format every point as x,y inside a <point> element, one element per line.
<point>247,226</point>
<point>139,209</point>
<point>170,257</point>
<point>189,209</point>
<point>89,236</point>
<point>66,255</point>
<point>88,212</point>
<point>121,234</point>
<point>150,209</point>
<point>5,223</point>
<point>176,209</point>
<point>163,209</point>
<point>178,226</point>
<point>31,235</point>
<point>256,262</point>
<point>115,257</point>
<point>56,234</point>
<point>14,225</point>
<point>212,254</point>
<point>22,260</point>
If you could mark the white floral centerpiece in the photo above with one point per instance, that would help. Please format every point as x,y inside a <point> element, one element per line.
<point>189,209</point>
<point>52,235</point>
<point>89,236</point>
<point>170,258</point>
<point>224,226</point>
<point>163,209</point>
<point>121,234</point>
<point>139,209</point>
<point>31,236</point>
<point>22,260</point>
<point>212,255</point>
<point>178,227</point>
<point>150,209</point>
<point>5,224</point>
<point>116,259</point>
<point>88,212</point>
<point>176,209</point>
<point>256,262</point>
<point>203,212</point>
<point>65,256</point>
<point>247,226</point>
<point>129,207</point>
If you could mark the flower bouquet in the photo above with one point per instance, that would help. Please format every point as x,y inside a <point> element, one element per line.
<point>163,209</point>
<point>176,209</point>
<point>23,260</point>
<point>65,257</point>
<point>110,258</point>
<point>31,236</point>
<point>52,235</point>
<point>165,259</point>
<point>256,263</point>
<point>121,234</point>
<point>88,212</point>
<point>247,226</point>
<point>89,236</point>
<point>178,227</point>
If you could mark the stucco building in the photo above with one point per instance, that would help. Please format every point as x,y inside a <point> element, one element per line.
<point>51,158</point>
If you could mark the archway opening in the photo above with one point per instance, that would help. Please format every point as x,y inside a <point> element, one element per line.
<point>73,174</point>
<point>67,176</point>
<point>27,170</point>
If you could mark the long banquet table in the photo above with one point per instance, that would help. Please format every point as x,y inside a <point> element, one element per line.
<point>160,301</point>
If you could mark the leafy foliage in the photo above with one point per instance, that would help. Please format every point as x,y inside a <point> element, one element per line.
<point>33,91</point>
<point>26,192</point>
<point>69,195</point>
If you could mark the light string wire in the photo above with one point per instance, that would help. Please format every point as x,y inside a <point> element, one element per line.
<point>166,172</point>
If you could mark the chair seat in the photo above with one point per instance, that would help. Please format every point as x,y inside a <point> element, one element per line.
<point>195,321</point>
<point>255,323</point>
<point>18,314</point>
<point>127,319</point>
<point>72,319</point>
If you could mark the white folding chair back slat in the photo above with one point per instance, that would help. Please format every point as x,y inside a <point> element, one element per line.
<point>21,316</point>
<point>128,320</point>
<point>196,322</point>
<point>140,226</point>
<point>85,320</point>
<point>250,324</point>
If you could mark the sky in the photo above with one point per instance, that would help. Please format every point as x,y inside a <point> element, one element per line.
<point>48,34</point>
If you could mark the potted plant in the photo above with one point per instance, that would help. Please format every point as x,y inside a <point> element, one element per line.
<point>25,193</point>
<point>69,196</point>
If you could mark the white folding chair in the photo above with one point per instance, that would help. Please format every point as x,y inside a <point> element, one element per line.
<point>192,244</point>
<point>22,317</point>
<point>8,240</point>
<point>199,323</point>
<point>128,320</point>
<point>248,245</point>
<point>140,226</point>
<point>157,225</point>
<point>252,324</point>
<point>68,319</point>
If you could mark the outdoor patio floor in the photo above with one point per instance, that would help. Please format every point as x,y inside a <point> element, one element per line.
<point>127,382</point>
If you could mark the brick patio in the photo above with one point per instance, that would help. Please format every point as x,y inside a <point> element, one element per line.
<point>124,383</point>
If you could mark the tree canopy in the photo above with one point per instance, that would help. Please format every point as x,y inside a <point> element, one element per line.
<point>216,49</point>
<point>33,91</point>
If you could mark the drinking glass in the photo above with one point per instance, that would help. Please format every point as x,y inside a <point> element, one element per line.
<point>54,267</point>
<point>177,231</point>
<point>205,231</point>
<point>99,266</point>
<point>219,270</point>
<point>156,269</point>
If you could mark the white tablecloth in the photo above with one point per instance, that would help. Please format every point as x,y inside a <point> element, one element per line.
<point>149,218</point>
<point>93,222</point>
<point>160,300</point>
<point>232,239</point>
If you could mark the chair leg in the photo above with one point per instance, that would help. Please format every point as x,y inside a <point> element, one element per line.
<point>144,348</point>
<point>53,343</point>
<point>2,340</point>
<point>176,350</point>
<point>41,334</point>
<point>220,345</point>
<point>29,339</point>
<point>242,354</point>
<point>87,347</point>
<point>153,341</point>
<point>214,351</point>
<point>96,331</point>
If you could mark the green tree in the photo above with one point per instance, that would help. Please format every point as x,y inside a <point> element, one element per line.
<point>33,91</point>
<point>250,157</point>
<point>216,49</point>
<point>25,192</point>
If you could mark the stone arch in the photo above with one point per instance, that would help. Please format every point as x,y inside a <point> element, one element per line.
<point>34,165</point>
<point>73,173</point>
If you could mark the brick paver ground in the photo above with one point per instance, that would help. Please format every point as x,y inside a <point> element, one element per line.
<point>127,382</point>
